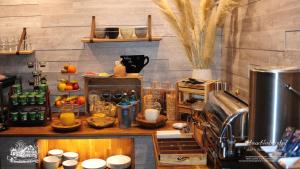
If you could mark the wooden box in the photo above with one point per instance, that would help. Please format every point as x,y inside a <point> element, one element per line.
<point>179,151</point>
<point>111,85</point>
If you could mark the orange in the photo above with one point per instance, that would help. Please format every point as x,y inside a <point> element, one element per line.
<point>69,87</point>
<point>71,69</point>
<point>58,103</point>
<point>81,100</point>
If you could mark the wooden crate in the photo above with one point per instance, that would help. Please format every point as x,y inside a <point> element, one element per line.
<point>179,151</point>
<point>187,89</point>
<point>111,84</point>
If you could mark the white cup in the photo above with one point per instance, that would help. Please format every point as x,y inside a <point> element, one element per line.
<point>151,114</point>
<point>51,162</point>
<point>70,164</point>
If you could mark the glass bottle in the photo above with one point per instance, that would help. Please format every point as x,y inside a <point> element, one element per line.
<point>119,69</point>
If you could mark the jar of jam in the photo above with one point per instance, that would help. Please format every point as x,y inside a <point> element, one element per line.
<point>22,99</point>
<point>14,99</point>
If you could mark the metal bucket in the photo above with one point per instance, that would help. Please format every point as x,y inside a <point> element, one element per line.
<point>274,103</point>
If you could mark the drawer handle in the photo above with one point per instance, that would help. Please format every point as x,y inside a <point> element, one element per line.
<point>180,158</point>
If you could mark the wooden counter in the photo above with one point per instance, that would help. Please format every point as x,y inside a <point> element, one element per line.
<point>87,132</point>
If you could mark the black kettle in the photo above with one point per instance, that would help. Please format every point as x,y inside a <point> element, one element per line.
<point>134,63</point>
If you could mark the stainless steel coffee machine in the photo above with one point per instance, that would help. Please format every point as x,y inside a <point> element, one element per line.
<point>274,103</point>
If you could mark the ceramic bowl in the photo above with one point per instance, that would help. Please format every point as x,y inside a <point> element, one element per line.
<point>141,32</point>
<point>127,33</point>
<point>118,162</point>
<point>151,114</point>
<point>51,162</point>
<point>56,152</point>
<point>93,164</point>
<point>112,33</point>
<point>70,164</point>
<point>100,33</point>
<point>70,156</point>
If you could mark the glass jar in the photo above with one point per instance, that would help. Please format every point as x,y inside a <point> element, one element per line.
<point>40,99</point>
<point>22,99</point>
<point>31,98</point>
<point>67,115</point>
<point>124,115</point>
<point>17,89</point>
<point>14,99</point>
<point>119,69</point>
<point>43,88</point>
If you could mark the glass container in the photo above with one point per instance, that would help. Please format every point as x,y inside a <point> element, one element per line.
<point>124,115</point>
<point>67,115</point>
<point>119,69</point>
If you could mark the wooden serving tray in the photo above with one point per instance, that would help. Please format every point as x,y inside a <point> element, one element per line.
<point>59,127</point>
<point>180,151</point>
<point>160,122</point>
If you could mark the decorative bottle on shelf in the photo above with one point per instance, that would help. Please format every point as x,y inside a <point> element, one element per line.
<point>119,69</point>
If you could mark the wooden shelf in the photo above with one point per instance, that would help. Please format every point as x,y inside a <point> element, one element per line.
<point>92,38</point>
<point>21,52</point>
<point>96,40</point>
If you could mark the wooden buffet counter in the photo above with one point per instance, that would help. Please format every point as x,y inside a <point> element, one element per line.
<point>143,139</point>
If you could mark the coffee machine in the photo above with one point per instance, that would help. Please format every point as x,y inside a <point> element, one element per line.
<point>274,102</point>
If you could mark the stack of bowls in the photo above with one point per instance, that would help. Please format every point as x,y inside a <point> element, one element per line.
<point>51,162</point>
<point>56,152</point>
<point>93,164</point>
<point>118,162</point>
<point>70,164</point>
<point>70,156</point>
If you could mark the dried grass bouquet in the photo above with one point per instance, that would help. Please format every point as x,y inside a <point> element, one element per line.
<point>196,25</point>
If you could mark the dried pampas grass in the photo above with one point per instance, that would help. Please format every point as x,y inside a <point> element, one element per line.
<point>197,34</point>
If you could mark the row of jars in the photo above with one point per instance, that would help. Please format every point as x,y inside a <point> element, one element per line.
<point>33,115</point>
<point>28,98</point>
<point>17,88</point>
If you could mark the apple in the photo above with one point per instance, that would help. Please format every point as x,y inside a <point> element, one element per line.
<point>75,86</point>
<point>61,86</point>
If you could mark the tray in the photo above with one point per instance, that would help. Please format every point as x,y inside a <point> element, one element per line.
<point>103,122</point>
<point>160,122</point>
<point>59,127</point>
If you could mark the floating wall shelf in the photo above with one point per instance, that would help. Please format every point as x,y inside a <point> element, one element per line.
<point>18,51</point>
<point>93,39</point>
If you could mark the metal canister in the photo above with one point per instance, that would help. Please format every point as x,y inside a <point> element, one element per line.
<point>14,116</point>
<point>22,99</point>
<point>40,115</point>
<point>14,99</point>
<point>17,89</point>
<point>32,115</point>
<point>23,116</point>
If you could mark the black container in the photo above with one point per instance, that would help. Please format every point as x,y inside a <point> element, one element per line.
<point>134,63</point>
<point>112,33</point>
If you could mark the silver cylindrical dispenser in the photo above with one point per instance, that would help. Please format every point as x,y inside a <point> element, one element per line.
<point>274,103</point>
